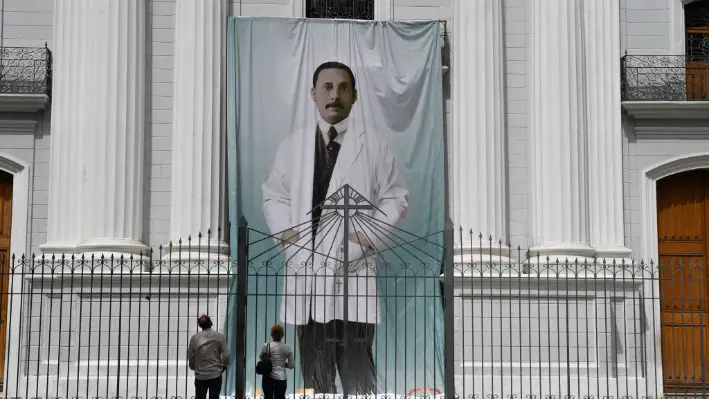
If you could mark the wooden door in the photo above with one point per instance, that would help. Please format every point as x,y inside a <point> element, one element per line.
<point>683,231</point>
<point>696,20</point>
<point>697,68</point>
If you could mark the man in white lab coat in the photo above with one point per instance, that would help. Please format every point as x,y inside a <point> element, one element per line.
<point>310,166</point>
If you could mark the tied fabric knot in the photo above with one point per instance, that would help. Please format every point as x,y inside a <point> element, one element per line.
<point>332,133</point>
<point>332,146</point>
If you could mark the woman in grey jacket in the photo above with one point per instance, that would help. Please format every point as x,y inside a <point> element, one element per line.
<point>281,355</point>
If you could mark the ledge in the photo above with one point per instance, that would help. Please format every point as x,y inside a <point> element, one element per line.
<point>667,109</point>
<point>23,102</point>
<point>83,277</point>
<point>16,126</point>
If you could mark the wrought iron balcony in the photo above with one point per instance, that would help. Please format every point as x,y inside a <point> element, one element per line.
<point>664,78</point>
<point>25,70</point>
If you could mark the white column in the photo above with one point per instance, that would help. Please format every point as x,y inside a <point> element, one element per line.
<point>558,133</point>
<point>198,175</point>
<point>605,138</point>
<point>479,134</point>
<point>68,105</point>
<point>114,138</point>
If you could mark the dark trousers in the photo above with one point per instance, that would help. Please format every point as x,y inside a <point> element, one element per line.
<point>323,352</point>
<point>214,386</point>
<point>273,389</point>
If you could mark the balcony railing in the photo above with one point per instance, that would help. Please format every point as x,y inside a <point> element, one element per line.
<point>664,78</point>
<point>25,70</point>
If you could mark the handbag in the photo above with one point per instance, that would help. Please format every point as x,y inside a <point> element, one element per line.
<point>264,366</point>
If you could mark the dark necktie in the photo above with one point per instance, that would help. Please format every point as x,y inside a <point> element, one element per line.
<point>332,145</point>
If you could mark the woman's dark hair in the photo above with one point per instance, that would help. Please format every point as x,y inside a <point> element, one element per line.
<point>204,322</point>
<point>277,332</point>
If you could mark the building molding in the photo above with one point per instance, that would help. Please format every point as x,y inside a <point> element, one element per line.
<point>649,179</point>
<point>20,172</point>
<point>23,102</point>
<point>666,109</point>
<point>18,126</point>
<point>672,132</point>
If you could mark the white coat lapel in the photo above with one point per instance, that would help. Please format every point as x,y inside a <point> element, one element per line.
<point>303,168</point>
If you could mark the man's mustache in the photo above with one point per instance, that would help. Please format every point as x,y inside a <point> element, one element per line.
<point>331,105</point>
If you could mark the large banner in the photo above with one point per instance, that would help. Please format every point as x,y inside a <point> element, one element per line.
<point>323,113</point>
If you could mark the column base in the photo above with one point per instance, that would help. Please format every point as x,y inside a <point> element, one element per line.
<point>211,256</point>
<point>613,254</point>
<point>58,248</point>
<point>110,247</point>
<point>482,256</point>
<point>55,251</point>
<point>203,250</point>
<point>562,253</point>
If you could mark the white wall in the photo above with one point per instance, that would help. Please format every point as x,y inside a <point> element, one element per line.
<point>644,27</point>
<point>27,23</point>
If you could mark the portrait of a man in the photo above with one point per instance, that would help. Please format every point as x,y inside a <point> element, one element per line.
<point>311,164</point>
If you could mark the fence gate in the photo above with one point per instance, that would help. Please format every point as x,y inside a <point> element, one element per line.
<point>377,326</point>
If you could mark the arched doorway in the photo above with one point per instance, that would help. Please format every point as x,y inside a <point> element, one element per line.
<point>696,23</point>
<point>683,243</point>
<point>5,262</point>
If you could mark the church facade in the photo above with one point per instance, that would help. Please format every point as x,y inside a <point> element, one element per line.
<point>576,129</point>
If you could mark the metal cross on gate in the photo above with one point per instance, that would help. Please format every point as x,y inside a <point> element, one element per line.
<point>338,283</point>
<point>346,207</point>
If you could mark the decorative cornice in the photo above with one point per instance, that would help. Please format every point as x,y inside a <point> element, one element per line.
<point>667,109</point>
<point>10,165</point>
<point>23,102</point>
<point>13,126</point>
<point>671,132</point>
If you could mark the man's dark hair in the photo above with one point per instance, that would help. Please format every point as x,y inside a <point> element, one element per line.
<point>333,65</point>
<point>204,322</point>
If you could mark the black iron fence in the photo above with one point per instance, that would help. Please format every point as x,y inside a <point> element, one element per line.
<point>664,78</point>
<point>25,70</point>
<point>525,327</point>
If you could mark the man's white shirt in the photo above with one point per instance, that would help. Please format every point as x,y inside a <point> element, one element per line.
<point>340,126</point>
